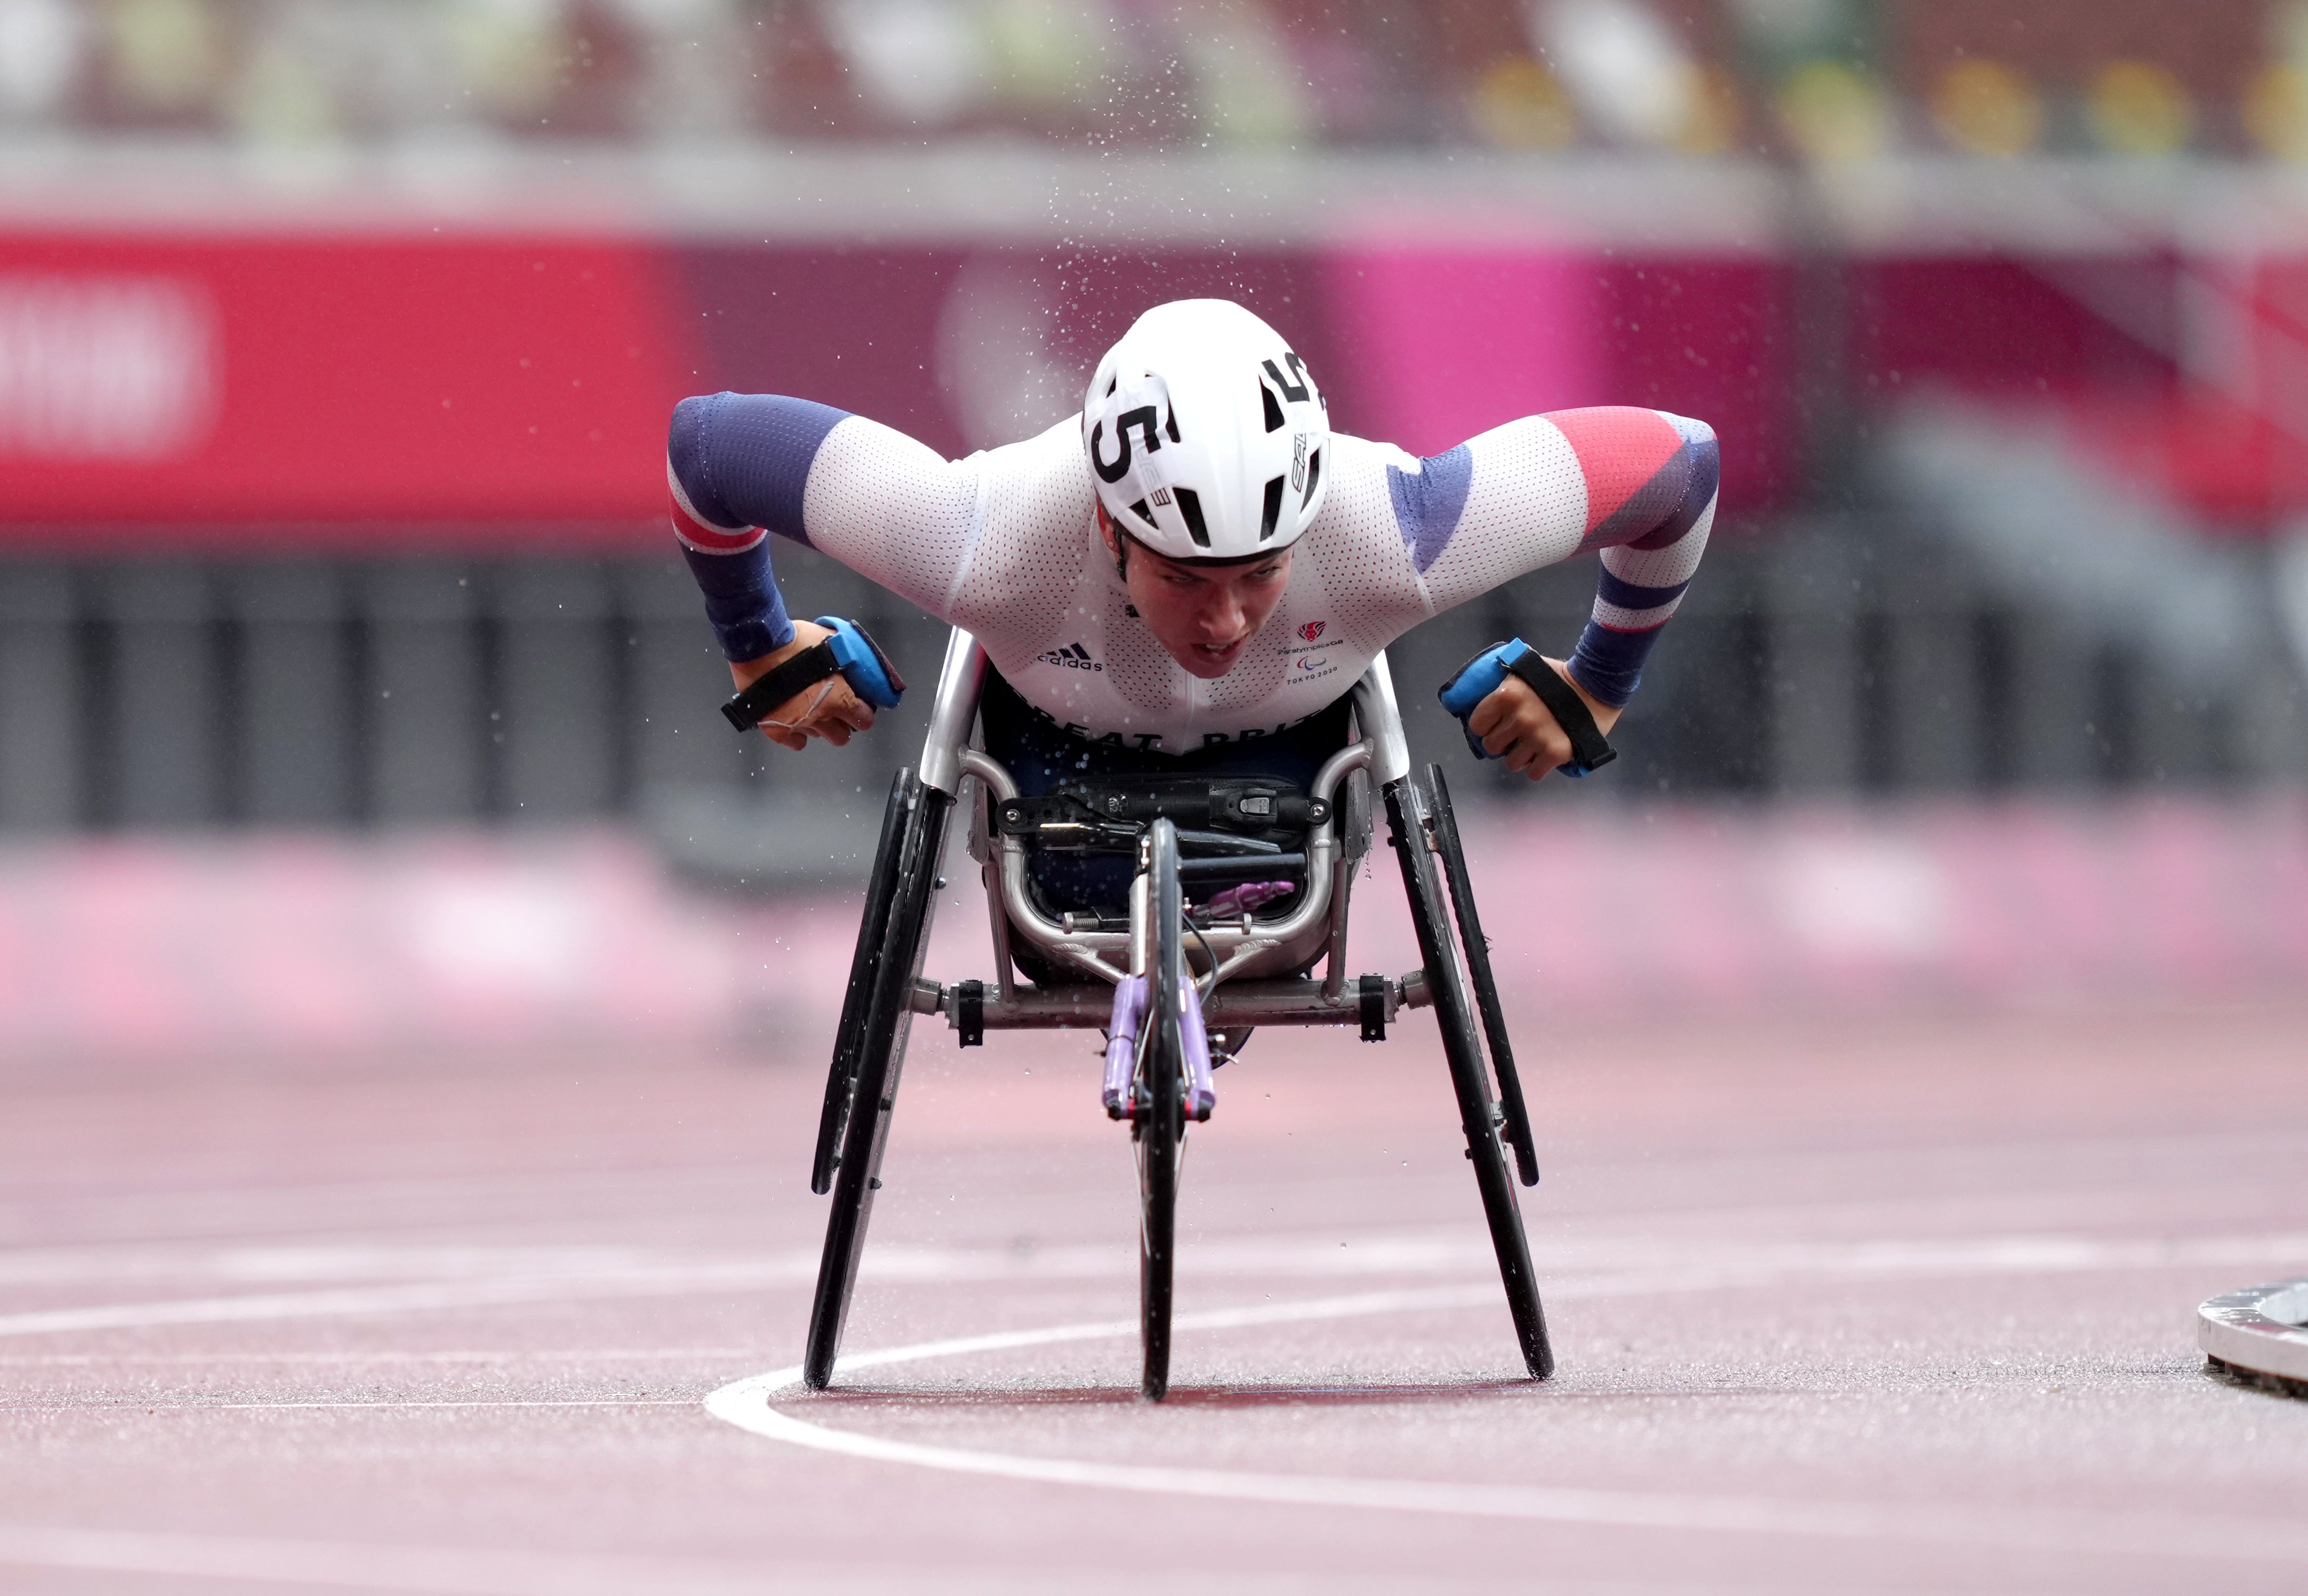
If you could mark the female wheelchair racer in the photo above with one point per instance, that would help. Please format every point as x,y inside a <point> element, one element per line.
<point>1175,659</point>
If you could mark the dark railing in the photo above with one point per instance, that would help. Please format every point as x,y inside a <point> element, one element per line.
<point>312,693</point>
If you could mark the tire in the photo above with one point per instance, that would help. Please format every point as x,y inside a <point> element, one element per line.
<point>849,1035</point>
<point>1158,1126</point>
<point>1409,813</point>
<point>920,814</point>
<point>1478,949</point>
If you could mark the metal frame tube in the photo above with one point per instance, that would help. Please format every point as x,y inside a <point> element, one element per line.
<point>1334,969</point>
<point>947,758</point>
<point>1234,945</point>
<point>952,713</point>
<point>1382,723</point>
<point>1239,1003</point>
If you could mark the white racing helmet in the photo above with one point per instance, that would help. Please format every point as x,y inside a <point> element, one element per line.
<point>1205,434</point>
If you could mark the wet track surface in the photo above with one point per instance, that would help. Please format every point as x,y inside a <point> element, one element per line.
<point>1880,1304</point>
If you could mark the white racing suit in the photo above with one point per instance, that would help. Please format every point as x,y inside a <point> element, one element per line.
<point>1005,543</point>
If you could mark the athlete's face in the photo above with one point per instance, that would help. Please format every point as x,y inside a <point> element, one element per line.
<point>1205,615</point>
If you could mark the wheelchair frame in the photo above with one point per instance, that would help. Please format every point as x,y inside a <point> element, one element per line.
<point>886,990</point>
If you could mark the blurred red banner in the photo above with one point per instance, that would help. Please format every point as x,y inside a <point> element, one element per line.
<point>223,391</point>
<point>357,392</point>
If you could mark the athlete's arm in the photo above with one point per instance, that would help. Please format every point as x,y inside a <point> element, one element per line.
<point>741,466</point>
<point>1639,484</point>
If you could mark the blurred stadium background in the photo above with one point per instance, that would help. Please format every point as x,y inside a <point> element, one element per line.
<point>350,693</point>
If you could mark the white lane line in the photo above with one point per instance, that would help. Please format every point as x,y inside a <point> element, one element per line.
<point>152,1406</point>
<point>311,1263</point>
<point>429,1297</point>
<point>344,1355</point>
<point>749,1405</point>
<point>1723,1265</point>
<point>1636,1266</point>
<point>433,1571</point>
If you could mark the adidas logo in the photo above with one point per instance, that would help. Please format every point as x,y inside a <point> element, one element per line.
<point>1073,657</point>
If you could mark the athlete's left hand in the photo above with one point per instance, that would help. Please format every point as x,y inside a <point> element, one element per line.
<point>830,710</point>
<point>1515,724</point>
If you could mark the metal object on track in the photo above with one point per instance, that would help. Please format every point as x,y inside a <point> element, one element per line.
<point>2260,1335</point>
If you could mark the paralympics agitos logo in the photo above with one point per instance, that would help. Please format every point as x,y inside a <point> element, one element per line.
<point>1312,630</point>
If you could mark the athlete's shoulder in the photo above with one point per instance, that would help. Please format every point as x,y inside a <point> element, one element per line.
<point>1356,467</point>
<point>1360,534</point>
<point>1037,506</point>
<point>1045,474</point>
<point>1056,450</point>
<point>1349,453</point>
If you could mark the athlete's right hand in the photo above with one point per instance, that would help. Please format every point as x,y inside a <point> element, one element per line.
<point>826,709</point>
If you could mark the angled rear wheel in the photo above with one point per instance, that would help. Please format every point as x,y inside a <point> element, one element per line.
<point>1478,949</point>
<point>1411,812</point>
<point>1158,1124</point>
<point>857,996</point>
<point>870,1049</point>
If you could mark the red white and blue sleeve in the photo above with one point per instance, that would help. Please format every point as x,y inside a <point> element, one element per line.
<point>742,465</point>
<point>737,467</point>
<point>1639,484</point>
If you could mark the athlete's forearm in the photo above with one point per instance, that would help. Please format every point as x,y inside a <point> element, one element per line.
<point>742,602</point>
<point>1651,545</point>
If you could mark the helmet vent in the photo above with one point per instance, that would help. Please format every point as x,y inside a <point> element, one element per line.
<point>1190,505</point>
<point>1313,475</point>
<point>1273,410</point>
<point>1138,508</point>
<point>1273,515</point>
<point>1170,422</point>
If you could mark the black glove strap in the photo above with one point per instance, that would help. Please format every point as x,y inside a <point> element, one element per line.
<point>1590,750</point>
<point>805,669</point>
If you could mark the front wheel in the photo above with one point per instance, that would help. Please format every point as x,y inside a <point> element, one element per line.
<point>1158,1124</point>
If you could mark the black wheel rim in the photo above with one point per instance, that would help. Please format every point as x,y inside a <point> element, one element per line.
<point>873,933</point>
<point>889,1016</point>
<point>1409,813</point>
<point>1160,1126</point>
<point>1476,948</point>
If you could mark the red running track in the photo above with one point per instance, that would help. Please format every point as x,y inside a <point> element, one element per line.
<point>1850,1303</point>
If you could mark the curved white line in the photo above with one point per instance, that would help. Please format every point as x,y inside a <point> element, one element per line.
<point>750,1404</point>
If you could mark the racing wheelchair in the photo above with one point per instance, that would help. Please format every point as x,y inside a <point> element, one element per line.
<point>1166,976</point>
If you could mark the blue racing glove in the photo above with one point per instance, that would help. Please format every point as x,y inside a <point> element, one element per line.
<point>1484,674</point>
<point>849,650</point>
